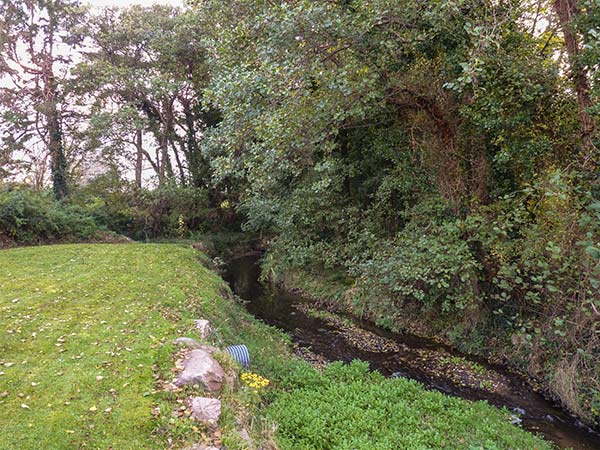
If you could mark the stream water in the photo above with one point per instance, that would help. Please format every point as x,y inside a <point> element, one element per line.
<point>407,356</point>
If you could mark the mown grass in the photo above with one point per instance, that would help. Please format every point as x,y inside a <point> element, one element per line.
<point>86,330</point>
<point>85,341</point>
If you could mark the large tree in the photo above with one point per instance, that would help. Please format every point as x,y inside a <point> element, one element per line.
<point>37,38</point>
<point>147,68</point>
<point>567,12</point>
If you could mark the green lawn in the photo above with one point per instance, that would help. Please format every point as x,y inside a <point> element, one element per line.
<point>83,331</point>
<point>85,341</point>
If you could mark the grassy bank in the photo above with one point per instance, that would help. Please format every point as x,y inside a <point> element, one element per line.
<point>85,346</point>
<point>86,341</point>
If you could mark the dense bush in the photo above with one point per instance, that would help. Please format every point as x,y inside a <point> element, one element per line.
<point>517,277</point>
<point>348,407</point>
<point>30,217</point>
<point>27,216</point>
<point>168,211</point>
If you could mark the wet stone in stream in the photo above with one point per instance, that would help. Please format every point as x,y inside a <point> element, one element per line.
<point>317,361</point>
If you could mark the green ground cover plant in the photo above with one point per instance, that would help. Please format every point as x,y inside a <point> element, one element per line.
<point>350,408</point>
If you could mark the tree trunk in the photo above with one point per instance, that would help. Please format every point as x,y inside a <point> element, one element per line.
<point>58,160</point>
<point>55,140</point>
<point>179,164</point>
<point>57,152</point>
<point>566,10</point>
<point>139,158</point>
<point>193,152</point>
<point>164,152</point>
<point>165,139</point>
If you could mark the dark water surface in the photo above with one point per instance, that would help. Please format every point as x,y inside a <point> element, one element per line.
<point>279,308</point>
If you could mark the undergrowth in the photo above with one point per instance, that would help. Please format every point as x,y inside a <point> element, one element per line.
<point>350,408</point>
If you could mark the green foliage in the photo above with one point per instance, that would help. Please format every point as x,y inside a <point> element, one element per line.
<point>145,75</point>
<point>348,407</point>
<point>167,211</point>
<point>426,150</point>
<point>425,153</point>
<point>36,111</point>
<point>435,269</point>
<point>30,217</point>
<point>587,24</point>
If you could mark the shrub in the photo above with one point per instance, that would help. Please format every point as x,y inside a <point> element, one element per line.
<point>435,268</point>
<point>30,217</point>
<point>168,211</point>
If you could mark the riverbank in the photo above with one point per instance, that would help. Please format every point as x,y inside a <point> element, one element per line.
<point>89,346</point>
<point>336,293</point>
<point>320,336</point>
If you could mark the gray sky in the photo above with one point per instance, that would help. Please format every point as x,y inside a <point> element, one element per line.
<point>101,3</point>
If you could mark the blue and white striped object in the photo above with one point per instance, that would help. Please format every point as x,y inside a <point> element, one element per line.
<point>240,354</point>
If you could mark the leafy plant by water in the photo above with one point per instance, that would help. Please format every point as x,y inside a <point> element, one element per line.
<point>348,407</point>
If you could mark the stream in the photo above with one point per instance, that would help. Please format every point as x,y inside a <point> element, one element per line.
<point>325,338</point>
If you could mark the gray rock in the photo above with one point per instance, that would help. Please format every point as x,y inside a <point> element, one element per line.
<point>193,343</point>
<point>204,328</point>
<point>515,420</point>
<point>209,349</point>
<point>206,410</point>
<point>200,246</point>
<point>245,436</point>
<point>199,367</point>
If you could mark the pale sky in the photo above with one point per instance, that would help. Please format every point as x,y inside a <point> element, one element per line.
<point>102,3</point>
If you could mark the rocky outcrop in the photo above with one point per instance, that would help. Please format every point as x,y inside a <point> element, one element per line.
<point>187,342</point>
<point>200,246</point>
<point>199,368</point>
<point>204,328</point>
